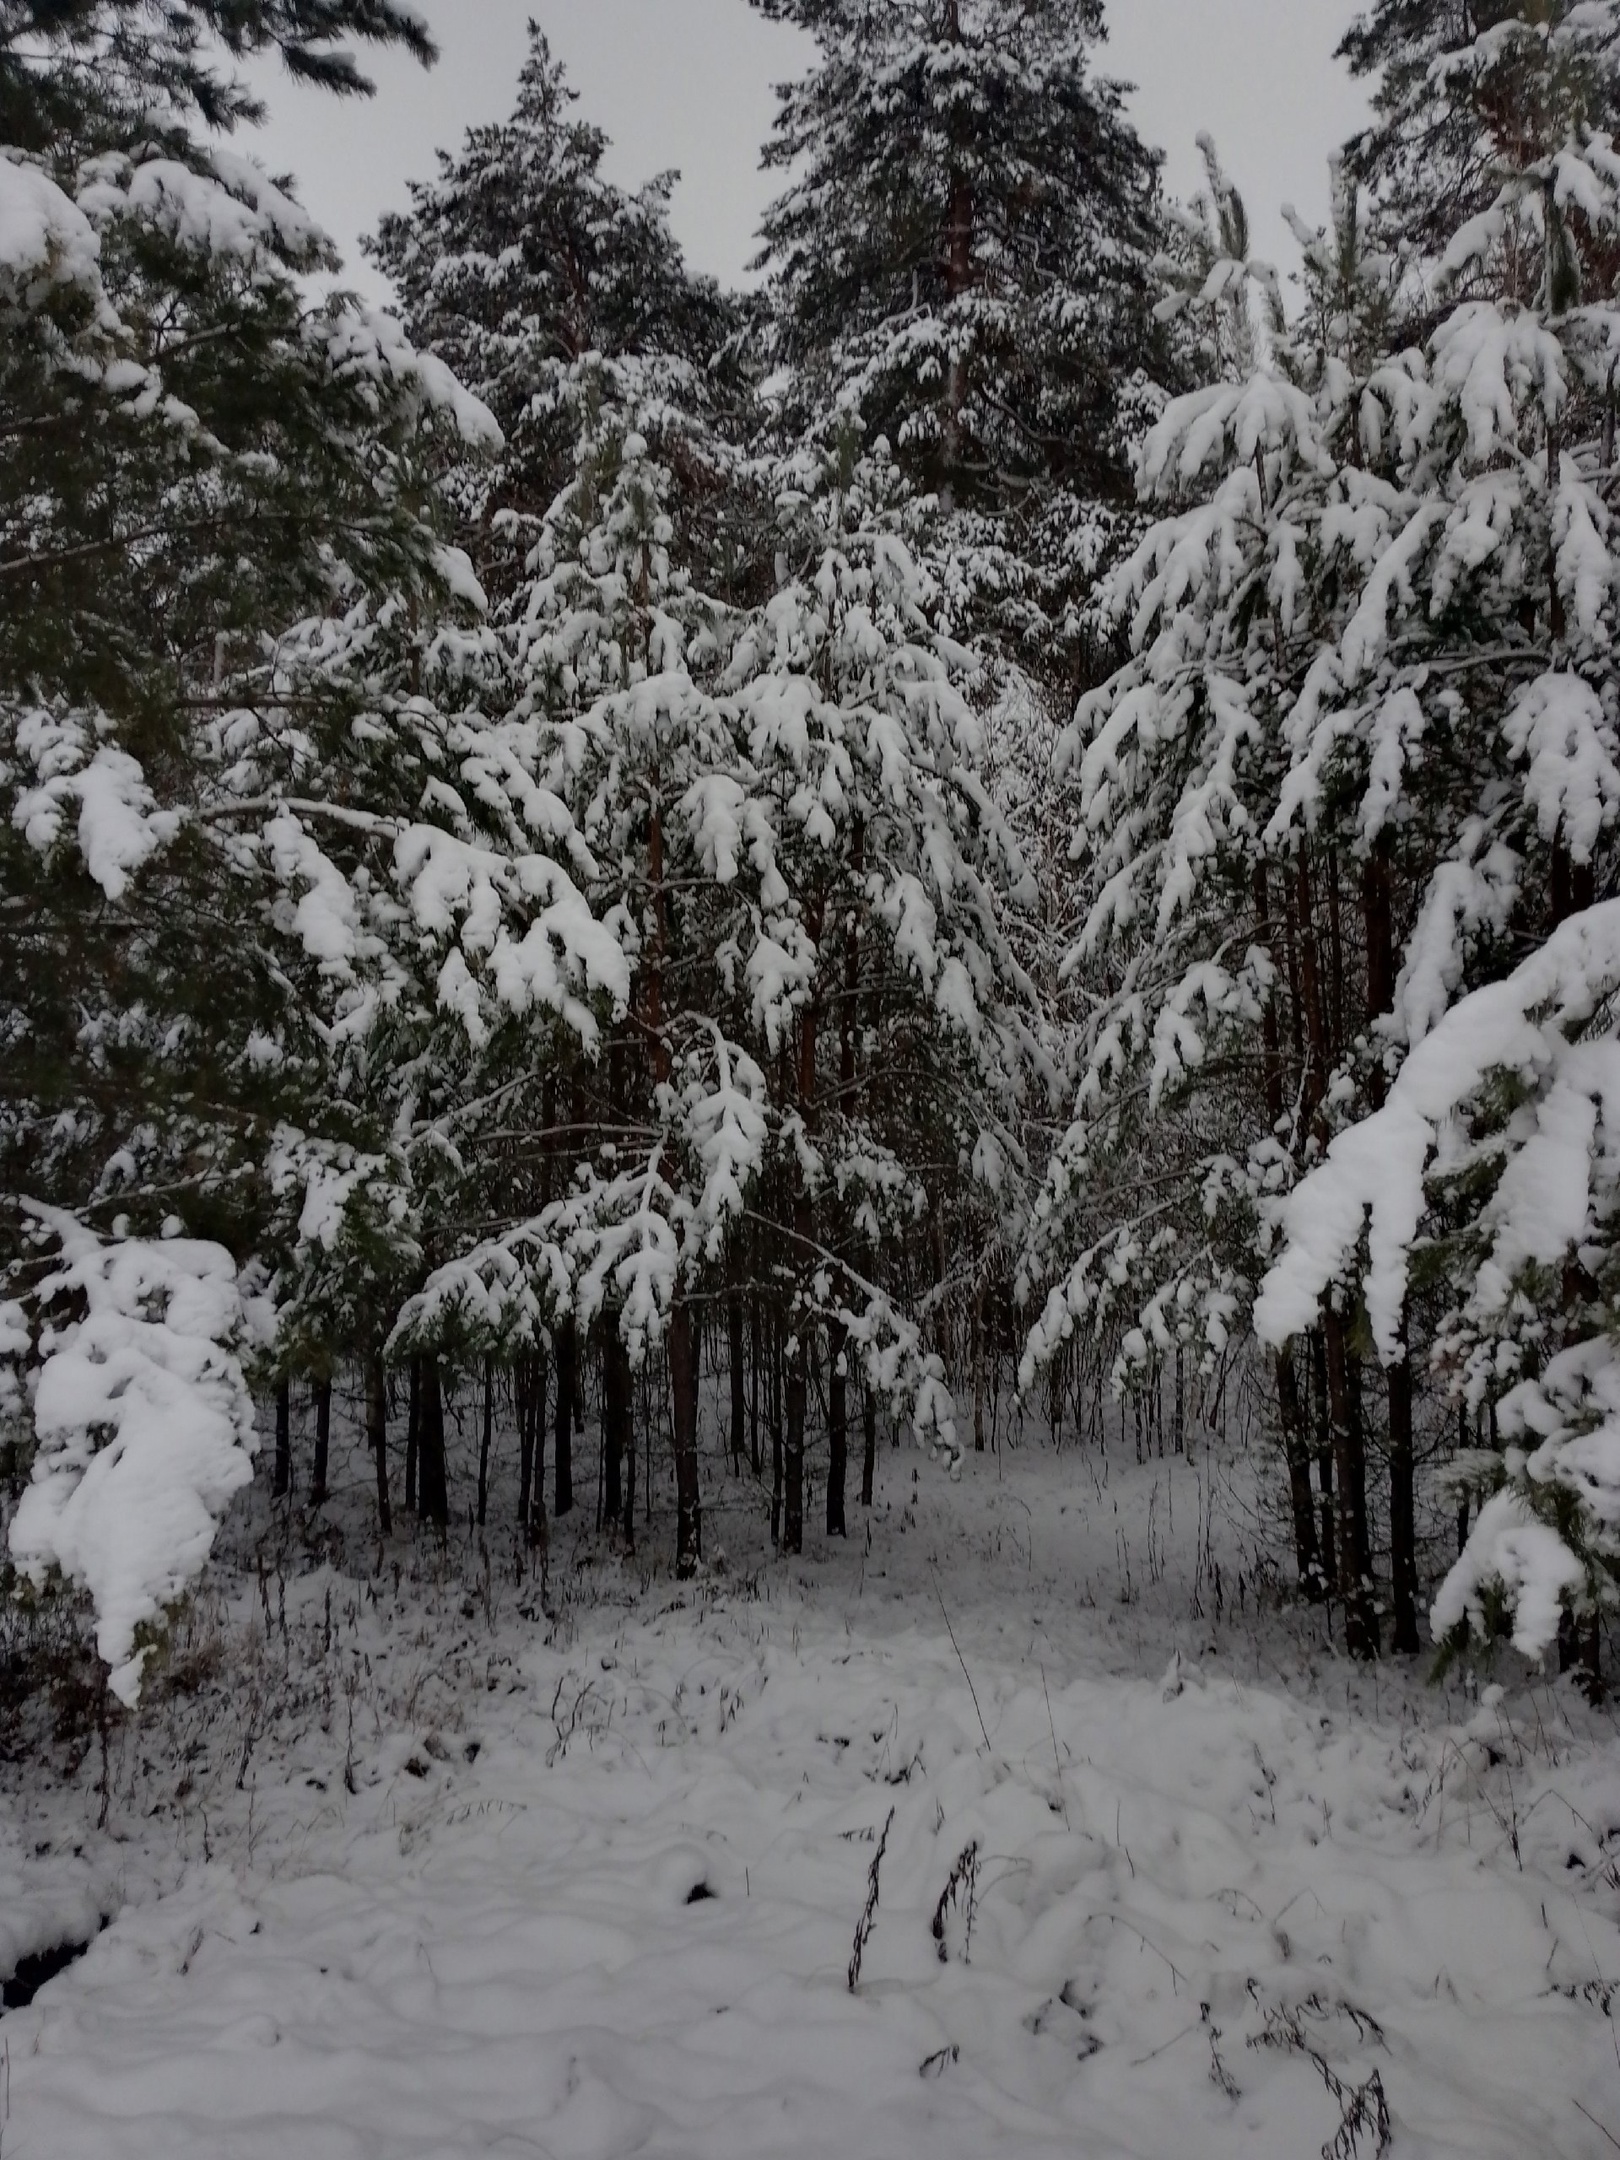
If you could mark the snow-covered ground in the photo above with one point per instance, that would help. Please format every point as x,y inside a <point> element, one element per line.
<point>421,1869</point>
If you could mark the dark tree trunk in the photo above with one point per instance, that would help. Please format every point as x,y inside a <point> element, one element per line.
<point>777,1391</point>
<point>323,1442</point>
<point>739,1396</point>
<point>281,1475</point>
<point>526,1425</point>
<point>683,1381</point>
<point>797,1393</point>
<point>1377,908</point>
<point>869,1457</point>
<point>433,1491</point>
<point>484,1440</point>
<point>1328,1542</point>
<point>377,1435</point>
<point>754,1362</point>
<point>534,1521</point>
<point>1350,1479</point>
<point>837,1433</point>
<point>562,1437</point>
<point>629,1524</point>
<point>1402,1518</point>
<point>977,1348</point>
<point>413,1434</point>
<point>1356,1400</point>
<point>1270,1035</point>
<point>1296,1442</point>
<point>615,1419</point>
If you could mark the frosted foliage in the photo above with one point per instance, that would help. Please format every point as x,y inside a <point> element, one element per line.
<point>1558,726</point>
<point>118,823</point>
<point>45,237</point>
<point>1547,1034</point>
<point>1512,1553</point>
<point>233,210</point>
<point>1371,637</point>
<point>1373,1175</point>
<point>144,1425</point>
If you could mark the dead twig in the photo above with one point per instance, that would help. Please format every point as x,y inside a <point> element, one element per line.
<point>863,1926</point>
<point>961,1884</point>
<point>962,1661</point>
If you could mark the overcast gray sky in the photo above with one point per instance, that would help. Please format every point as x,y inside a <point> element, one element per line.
<point>687,83</point>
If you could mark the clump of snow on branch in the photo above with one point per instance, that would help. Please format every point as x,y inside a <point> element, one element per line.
<point>144,1424</point>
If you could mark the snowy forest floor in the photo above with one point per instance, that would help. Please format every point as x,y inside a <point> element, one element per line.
<point>399,1860</point>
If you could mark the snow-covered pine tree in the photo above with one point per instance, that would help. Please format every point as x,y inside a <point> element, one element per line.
<point>788,838</point>
<point>1364,757</point>
<point>202,456</point>
<point>1465,92</point>
<point>899,1029</point>
<point>1483,1176</point>
<point>962,257</point>
<point>519,259</point>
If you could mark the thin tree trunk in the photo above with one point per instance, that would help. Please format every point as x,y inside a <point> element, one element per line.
<point>413,1434</point>
<point>683,1381</point>
<point>754,1362</point>
<point>615,1417</point>
<point>869,1458</point>
<point>739,1399</point>
<point>1402,1517</point>
<point>793,1449</point>
<point>1327,1543</point>
<point>432,1488</point>
<point>978,1373</point>
<point>628,1525</point>
<point>535,1525</point>
<point>323,1441</point>
<point>484,1440</point>
<point>563,1424</point>
<point>526,1428</point>
<point>774,1407</point>
<point>377,1434</point>
<point>804,1226</point>
<point>1356,1399</point>
<point>1296,1443</point>
<point>837,1432</point>
<point>281,1476</point>
<point>1349,1465</point>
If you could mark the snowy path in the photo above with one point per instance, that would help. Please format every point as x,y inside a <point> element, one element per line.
<point>623,1926</point>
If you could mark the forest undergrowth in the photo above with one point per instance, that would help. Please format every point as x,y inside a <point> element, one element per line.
<point>422,1846</point>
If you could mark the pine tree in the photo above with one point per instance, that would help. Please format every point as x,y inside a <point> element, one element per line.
<point>1466,93</point>
<point>963,260</point>
<point>518,261</point>
<point>138,65</point>
<point>1364,757</point>
<point>196,456</point>
<point>1482,1176</point>
<point>781,823</point>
